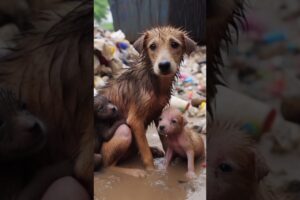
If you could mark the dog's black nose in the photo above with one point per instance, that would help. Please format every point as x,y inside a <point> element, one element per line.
<point>164,66</point>
<point>36,129</point>
<point>161,128</point>
<point>114,109</point>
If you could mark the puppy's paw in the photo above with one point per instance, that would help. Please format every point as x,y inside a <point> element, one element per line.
<point>191,175</point>
<point>137,173</point>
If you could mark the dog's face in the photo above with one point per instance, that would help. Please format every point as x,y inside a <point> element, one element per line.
<point>235,167</point>
<point>171,122</point>
<point>21,133</point>
<point>104,109</point>
<point>165,47</point>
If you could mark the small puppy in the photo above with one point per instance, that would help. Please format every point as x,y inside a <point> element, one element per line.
<point>180,139</point>
<point>107,119</point>
<point>22,136</point>
<point>234,166</point>
<point>21,133</point>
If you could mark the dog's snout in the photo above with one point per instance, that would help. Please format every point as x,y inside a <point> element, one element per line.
<point>161,128</point>
<point>164,66</point>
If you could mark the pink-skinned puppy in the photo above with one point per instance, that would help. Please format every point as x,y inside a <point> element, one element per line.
<point>181,141</point>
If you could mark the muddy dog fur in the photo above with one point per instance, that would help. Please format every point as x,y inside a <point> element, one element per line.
<point>49,70</point>
<point>144,90</point>
<point>222,17</point>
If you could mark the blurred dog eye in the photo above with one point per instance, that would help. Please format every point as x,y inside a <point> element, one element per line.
<point>160,119</point>
<point>174,45</point>
<point>173,121</point>
<point>225,167</point>
<point>153,46</point>
<point>1,123</point>
<point>100,108</point>
<point>23,106</point>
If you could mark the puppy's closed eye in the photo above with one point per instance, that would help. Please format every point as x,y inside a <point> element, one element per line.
<point>1,123</point>
<point>100,107</point>
<point>225,167</point>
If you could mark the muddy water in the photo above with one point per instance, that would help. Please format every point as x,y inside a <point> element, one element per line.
<point>158,185</point>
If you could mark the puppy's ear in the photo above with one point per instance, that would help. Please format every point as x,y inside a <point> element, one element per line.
<point>261,167</point>
<point>140,42</point>
<point>184,121</point>
<point>190,45</point>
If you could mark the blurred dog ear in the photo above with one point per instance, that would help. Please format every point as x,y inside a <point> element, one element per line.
<point>140,42</point>
<point>190,45</point>
<point>184,121</point>
<point>261,167</point>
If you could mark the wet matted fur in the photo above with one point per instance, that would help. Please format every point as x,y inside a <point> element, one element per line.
<point>52,70</point>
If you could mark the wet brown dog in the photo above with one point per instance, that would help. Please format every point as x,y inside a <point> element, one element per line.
<point>181,140</point>
<point>107,119</point>
<point>235,168</point>
<point>144,90</point>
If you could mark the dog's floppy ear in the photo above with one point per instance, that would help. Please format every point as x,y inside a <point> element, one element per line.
<point>190,45</point>
<point>139,43</point>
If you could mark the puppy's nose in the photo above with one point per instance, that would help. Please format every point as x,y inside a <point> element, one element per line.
<point>161,128</point>
<point>114,109</point>
<point>164,66</point>
<point>36,129</point>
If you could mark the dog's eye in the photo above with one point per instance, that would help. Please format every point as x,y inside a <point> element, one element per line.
<point>173,121</point>
<point>224,167</point>
<point>100,108</point>
<point>152,46</point>
<point>160,119</point>
<point>174,45</point>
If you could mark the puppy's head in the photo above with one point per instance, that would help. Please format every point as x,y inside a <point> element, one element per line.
<point>21,133</point>
<point>104,109</point>
<point>171,122</point>
<point>234,165</point>
<point>164,47</point>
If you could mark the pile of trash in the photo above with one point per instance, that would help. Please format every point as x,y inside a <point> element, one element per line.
<point>267,57</point>
<point>113,54</point>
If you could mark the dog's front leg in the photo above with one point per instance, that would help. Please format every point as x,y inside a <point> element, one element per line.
<point>139,132</point>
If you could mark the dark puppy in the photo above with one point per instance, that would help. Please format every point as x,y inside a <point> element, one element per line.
<point>22,135</point>
<point>107,119</point>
